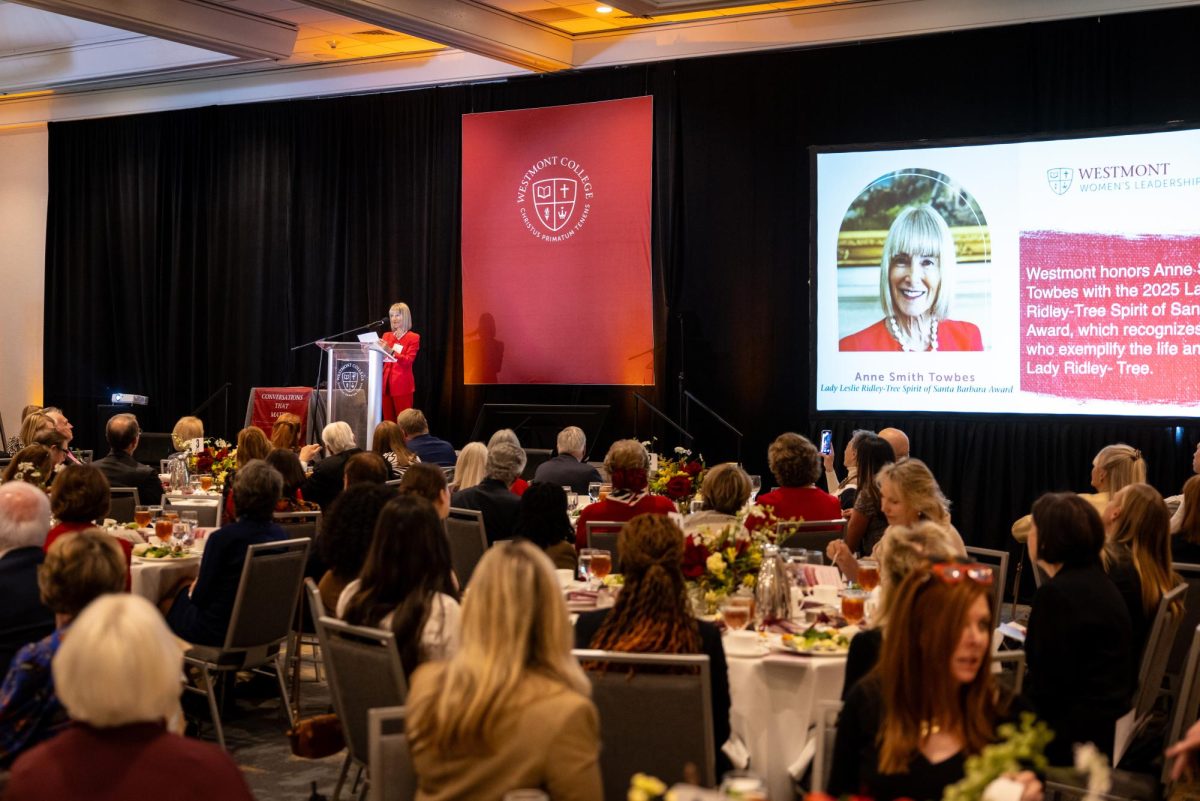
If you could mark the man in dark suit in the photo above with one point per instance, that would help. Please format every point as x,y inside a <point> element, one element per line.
<point>122,470</point>
<point>429,448</point>
<point>326,481</point>
<point>492,496</point>
<point>24,522</point>
<point>568,468</point>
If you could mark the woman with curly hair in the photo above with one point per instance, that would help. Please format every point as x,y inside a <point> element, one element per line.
<point>652,615</point>
<point>796,465</point>
<point>285,432</point>
<point>345,537</point>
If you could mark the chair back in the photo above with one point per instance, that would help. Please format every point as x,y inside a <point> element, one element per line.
<point>603,534</point>
<point>1015,658</point>
<point>998,561</point>
<point>267,596</point>
<point>1187,707</point>
<point>315,605</point>
<point>826,722</point>
<point>364,674</point>
<point>812,535</point>
<point>124,501</point>
<point>674,691</point>
<point>534,457</point>
<point>299,525</point>
<point>393,778</point>
<point>208,510</point>
<point>1158,647</point>
<point>468,541</point>
<point>392,482</point>
<point>1191,618</point>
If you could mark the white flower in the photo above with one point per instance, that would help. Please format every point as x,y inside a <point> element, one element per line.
<point>682,450</point>
<point>23,466</point>
<point>715,564</point>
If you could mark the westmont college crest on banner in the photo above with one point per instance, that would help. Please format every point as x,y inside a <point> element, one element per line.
<point>556,245</point>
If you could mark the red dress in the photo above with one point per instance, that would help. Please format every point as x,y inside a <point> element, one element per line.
<point>608,509</point>
<point>801,503</point>
<point>952,335</point>
<point>398,383</point>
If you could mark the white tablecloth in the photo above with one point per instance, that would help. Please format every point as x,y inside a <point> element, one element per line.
<point>152,578</point>
<point>774,702</point>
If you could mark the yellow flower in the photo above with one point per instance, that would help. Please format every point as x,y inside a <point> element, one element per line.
<point>644,787</point>
<point>748,580</point>
<point>715,564</point>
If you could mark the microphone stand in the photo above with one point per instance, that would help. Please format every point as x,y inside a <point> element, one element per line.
<point>223,389</point>
<point>690,397</point>
<point>321,358</point>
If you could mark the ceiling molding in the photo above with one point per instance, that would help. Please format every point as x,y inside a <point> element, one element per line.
<point>197,23</point>
<point>656,8</point>
<point>472,27</point>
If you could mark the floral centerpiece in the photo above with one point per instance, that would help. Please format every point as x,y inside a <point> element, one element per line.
<point>720,561</point>
<point>644,787</point>
<point>678,478</point>
<point>216,457</point>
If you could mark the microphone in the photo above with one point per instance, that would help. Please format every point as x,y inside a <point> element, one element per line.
<point>378,323</point>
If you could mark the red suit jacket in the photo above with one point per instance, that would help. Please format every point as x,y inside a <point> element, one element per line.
<point>398,375</point>
<point>952,335</point>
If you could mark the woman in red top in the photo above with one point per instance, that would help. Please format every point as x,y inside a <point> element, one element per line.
<point>629,465</point>
<point>796,465</point>
<point>404,343</point>
<point>80,497</point>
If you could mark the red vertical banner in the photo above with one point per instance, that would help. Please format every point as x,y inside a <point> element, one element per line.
<point>267,403</point>
<point>556,275</point>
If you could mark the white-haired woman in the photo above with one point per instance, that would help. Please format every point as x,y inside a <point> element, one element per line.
<point>916,288</point>
<point>326,480</point>
<point>404,343</point>
<point>118,677</point>
<point>511,709</point>
<point>519,485</point>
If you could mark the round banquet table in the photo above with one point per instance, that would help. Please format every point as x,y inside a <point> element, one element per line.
<point>151,578</point>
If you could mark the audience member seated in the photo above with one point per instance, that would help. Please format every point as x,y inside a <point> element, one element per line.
<point>568,469</point>
<point>200,614</point>
<point>542,519</point>
<point>366,466</point>
<point>80,500</point>
<point>346,530</point>
<point>15,442</point>
<point>508,435</point>
<point>388,442</point>
<point>34,465</point>
<point>652,615</point>
<point>867,522</point>
<point>1114,468</point>
<point>629,465</point>
<point>120,468</point>
<point>492,496</point>
<point>117,676</point>
<point>907,728</point>
<point>34,423</point>
<point>64,427</point>
<point>252,444</point>
<point>471,467</point>
<point>288,464</point>
<point>1137,554</point>
<point>285,432</point>
<point>1180,501</point>
<point>1078,619</point>
<point>56,442</point>
<point>511,709</point>
<point>902,550</point>
<point>846,489</point>
<point>1185,538</point>
<point>796,465</point>
<point>327,478</point>
<point>429,482</point>
<point>898,440</point>
<point>24,521</point>
<point>418,439</point>
<point>726,490</point>
<point>407,584</point>
<point>79,568</point>
<point>188,434</point>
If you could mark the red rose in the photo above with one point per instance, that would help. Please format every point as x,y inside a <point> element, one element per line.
<point>204,463</point>
<point>693,468</point>
<point>695,559</point>
<point>679,487</point>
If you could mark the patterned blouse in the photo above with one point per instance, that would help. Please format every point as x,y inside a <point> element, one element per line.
<point>29,708</point>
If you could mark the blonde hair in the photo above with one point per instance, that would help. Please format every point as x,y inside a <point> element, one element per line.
<point>120,664</point>
<point>726,488</point>
<point>1144,526</point>
<point>514,621</point>
<point>920,231</point>
<point>918,489</point>
<point>186,429</point>
<point>405,316</point>
<point>471,467</point>
<point>905,548</point>
<point>627,454</point>
<point>1122,465</point>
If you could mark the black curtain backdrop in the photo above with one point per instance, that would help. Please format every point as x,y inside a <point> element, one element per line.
<point>190,248</point>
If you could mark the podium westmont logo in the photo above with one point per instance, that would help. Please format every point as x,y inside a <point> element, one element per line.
<point>561,192</point>
<point>350,379</point>
<point>1059,179</point>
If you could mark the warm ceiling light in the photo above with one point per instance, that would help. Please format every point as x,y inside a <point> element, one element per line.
<point>604,9</point>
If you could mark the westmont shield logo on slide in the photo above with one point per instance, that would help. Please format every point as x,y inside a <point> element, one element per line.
<point>1059,179</point>
<point>562,194</point>
<point>554,200</point>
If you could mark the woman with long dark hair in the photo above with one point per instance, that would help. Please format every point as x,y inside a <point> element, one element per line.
<point>407,584</point>
<point>867,520</point>
<point>542,519</point>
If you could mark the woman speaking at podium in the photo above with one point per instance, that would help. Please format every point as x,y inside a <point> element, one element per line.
<point>403,342</point>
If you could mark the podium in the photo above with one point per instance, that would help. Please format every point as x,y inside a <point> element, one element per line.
<point>354,386</point>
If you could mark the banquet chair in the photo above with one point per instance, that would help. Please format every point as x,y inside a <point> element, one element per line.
<point>1187,706</point>
<point>826,733</point>
<point>365,673</point>
<point>261,622</point>
<point>392,482</point>
<point>1017,659</point>
<point>208,511</point>
<point>673,691</point>
<point>812,535</point>
<point>312,607</point>
<point>468,541</point>
<point>1191,619</point>
<point>387,746</point>
<point>124,500</point>
<point>998,562</point>
<point>603,534</point>
<point>299,525</point>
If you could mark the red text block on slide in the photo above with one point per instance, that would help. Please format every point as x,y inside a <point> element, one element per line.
<point>556,245</point>
<point>1110,317</point>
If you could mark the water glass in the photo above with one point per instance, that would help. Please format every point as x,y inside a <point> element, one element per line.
<point>572,499</point>
<point>585,564</point>
<point>594,491</point>
<point>755,487</point>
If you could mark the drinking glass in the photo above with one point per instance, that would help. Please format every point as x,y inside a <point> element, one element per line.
<point>181,535</point>
<point>165,480</point>
<point>572,499</point>
<point>755,487</point>
<point>163,529</point>
<point>601,563</point>
<point>868,574</point>
<point>206,482</point>
<point>696,505</point>
<point>142,515</point>
<point>594,491</point>
<point>735,612</point>
<point>585,564</point>
<point>854,606</point>
<point>605,489</point>
<point>794,560</point>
